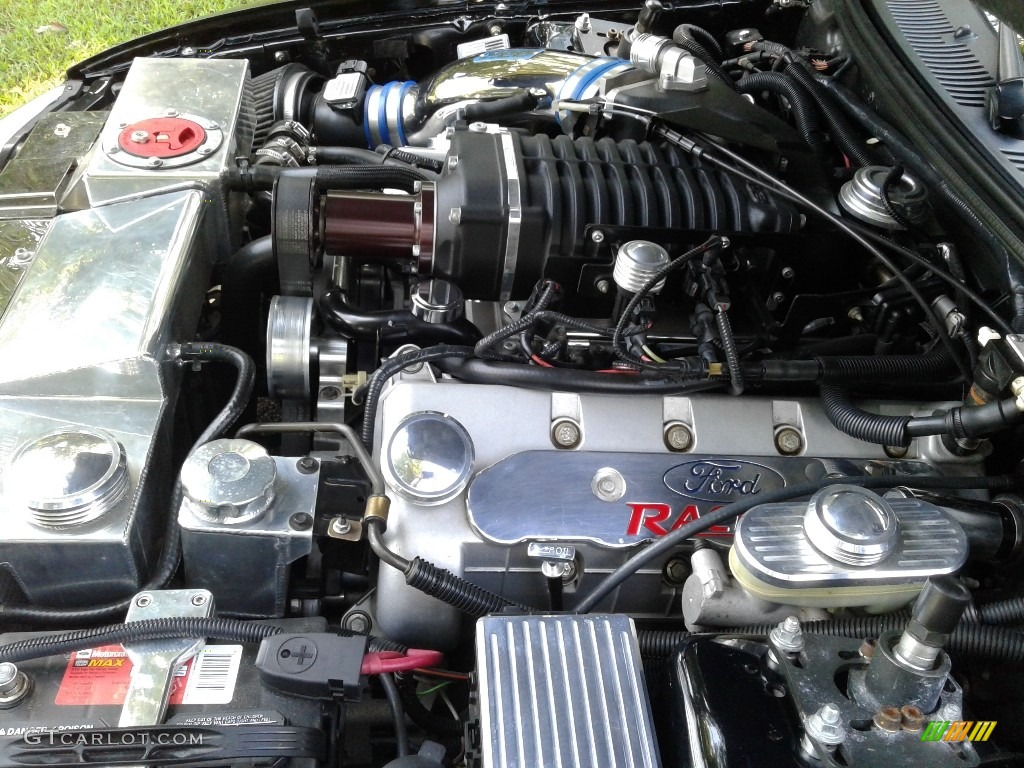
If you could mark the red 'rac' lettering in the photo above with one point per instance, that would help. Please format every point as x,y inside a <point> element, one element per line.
<point>652,522</point>
<point>691,513</point>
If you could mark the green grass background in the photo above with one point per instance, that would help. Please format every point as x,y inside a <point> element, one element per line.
<point>31,61</point>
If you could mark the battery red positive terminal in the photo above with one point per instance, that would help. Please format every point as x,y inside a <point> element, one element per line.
<point>162,137</point>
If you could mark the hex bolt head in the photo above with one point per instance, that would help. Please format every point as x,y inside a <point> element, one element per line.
<point>155,162</point>
<point>603,285</point>
<point>678,437</point>
<point>788,441</point>
<point>566,433</point>
<point>494,29</point>
<point>608,484</point>
<point>198,600</point>
<point>300,521</point>
<point>826,726</point>
<point>357,621</point>
<point>144,600</point>
<point>140,137</point>
<point>788,636</point>
<point>453,162</point>
<point>171,112</point>
<point>455,216</point>
<point>307,465</point>
<point>340,526</point>
<point>676,571</point>
<point>206,149</point>
<point>597,236</point>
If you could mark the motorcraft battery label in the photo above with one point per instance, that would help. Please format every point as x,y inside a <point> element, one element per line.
<point>100,677</point>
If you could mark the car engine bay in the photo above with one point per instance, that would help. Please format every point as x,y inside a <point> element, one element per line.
<point>515,385</point>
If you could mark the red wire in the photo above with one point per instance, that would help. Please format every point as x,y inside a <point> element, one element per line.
<point>390,661</point>
<point>540,361</point>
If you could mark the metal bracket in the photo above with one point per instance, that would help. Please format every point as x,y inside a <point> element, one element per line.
<point>154,661</point>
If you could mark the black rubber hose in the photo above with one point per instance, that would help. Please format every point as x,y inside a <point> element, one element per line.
<point>805,116</point>
<point>958,422</point>
<point>726,513</point>
<point>262,177</point>
<point>167,565</point>
<point>409,158</point>
<point>908,155</point>
<point>1002,612</point>
<point>701,36</point>
<point>137,632</point>
<point>456,591</point>
<point>852,370</point>
<point>438,582</point>
<point>387,682</point>
<point>732,356</point>
<point>347,156</point>
<point>660,644</point>
<point>395,326</point>
<point>251,272</point>
<point>697,50</point>
<point>391,367</point>
<point>496,109</point>
<point>572,380</point>
<point>858,423</point>
<point>843,133</point>
<point>977,640</point>
<point>856,370</point>
<point>429,721</point>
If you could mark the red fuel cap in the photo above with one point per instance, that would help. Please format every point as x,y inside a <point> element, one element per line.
<point>162,137</point>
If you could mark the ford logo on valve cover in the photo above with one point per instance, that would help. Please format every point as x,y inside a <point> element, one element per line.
<point>721,480</point>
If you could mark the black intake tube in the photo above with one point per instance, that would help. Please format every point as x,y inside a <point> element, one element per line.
<point>262,177</point>
<point>396,326</point>
<point>250,273</point>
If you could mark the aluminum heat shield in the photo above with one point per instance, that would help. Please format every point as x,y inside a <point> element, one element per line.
<point>562,691</point>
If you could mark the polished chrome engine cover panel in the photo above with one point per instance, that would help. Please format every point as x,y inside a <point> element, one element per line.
<point>485,533</point>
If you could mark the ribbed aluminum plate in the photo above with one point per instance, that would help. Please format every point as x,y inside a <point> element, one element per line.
<point>564,691</point>
<point>771,543</point>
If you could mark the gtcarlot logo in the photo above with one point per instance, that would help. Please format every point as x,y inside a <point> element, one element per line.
<point>115,739</point>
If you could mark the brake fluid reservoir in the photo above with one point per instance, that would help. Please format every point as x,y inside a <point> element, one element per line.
<point>846,547</point>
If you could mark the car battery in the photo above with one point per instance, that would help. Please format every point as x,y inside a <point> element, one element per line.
<point>75,701</point>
